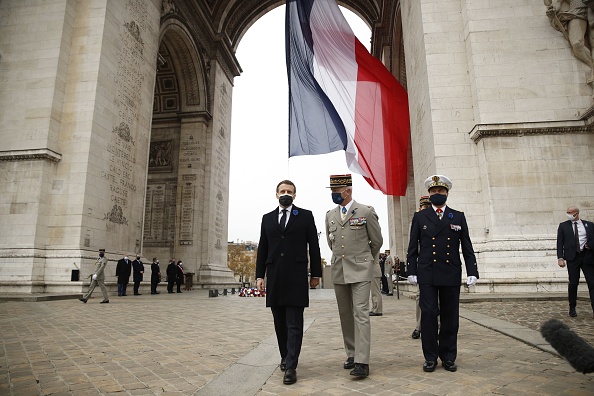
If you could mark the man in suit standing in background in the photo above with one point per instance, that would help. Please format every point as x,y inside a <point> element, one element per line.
<point>155,275</point>
<point>98,278</point>
<point>355,238</point>
<point>137,274</point>
<point>123,271</point>
<point>285,235</point>
<point>171,275</point>
<point>434,263</point>
<point>575,240</point>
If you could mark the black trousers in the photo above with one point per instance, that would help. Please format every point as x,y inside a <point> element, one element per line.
<point>288,325</point>
<point>170,285</point>
<point>154,287</point>
<point>442,302</point>
<point>136,286</point>
<point>585,262</point>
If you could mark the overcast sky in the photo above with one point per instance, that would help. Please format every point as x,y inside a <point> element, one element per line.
<point>259,141</point>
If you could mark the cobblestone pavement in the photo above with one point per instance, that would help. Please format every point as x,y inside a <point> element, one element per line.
<point>179,344</point>
<point>532,314</point>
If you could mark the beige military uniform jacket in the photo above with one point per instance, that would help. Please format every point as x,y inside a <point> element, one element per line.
<point>388,270</point>
<point>354,241</point>
<point>100,268</point>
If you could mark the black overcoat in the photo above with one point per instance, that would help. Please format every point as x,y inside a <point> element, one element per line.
<point>155,273</point>
<point>434,248</point>
<point>283,257</point>
<point>137,268</point>
<point>123,271</point>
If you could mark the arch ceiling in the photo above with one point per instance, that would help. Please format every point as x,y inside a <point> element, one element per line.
<point>234,17</point>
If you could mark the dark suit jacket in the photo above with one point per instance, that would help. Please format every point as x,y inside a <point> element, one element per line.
<point>137,267</point>
<point>171,272</point>
<point>566,248</point>
<point>123,271</point>
<point>155,273</point>
<point>282,257</point>
<point>434,248</point>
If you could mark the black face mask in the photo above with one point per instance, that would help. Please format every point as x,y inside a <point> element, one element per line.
<point>438,199</point>
<point>101,255</point>
<point>285,200</point>
<point>337,198</point>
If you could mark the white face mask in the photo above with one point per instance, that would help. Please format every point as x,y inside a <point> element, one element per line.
<point>570,216</point>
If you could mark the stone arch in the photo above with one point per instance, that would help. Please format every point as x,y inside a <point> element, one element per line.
<point>189,66</point>
<point>238,16</point>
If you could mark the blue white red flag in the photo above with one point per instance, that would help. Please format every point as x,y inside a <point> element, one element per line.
<point>342,98</point>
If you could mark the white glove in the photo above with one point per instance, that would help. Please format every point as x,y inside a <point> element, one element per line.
<point>412,279</point>
<point>471,281</point>
<point>94,277</point>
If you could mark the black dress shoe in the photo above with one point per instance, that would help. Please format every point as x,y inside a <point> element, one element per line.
<point>137,294</point>
<point>290,377</point>
<point>449,365</point>
<point>283,364</point>
<point>104,302</point>
<point>349,364</point>
<point>429,366</point>
<point>375,314</point>
<point>390,294</point>
<point>179,291</point>
<point>124,295</point>
<point>572,312</point>
<point>83,300</point>
<point>361,370</point>
<point>416,334</point>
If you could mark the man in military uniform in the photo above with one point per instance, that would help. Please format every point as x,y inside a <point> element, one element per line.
<point>424,203</point>
<point>98,278</point>
<point>389,271</point>
<point>434,263</point>
<point>354,235</point>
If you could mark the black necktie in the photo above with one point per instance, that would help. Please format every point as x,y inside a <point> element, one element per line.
<point>577,237</point>
<point>283,219</point>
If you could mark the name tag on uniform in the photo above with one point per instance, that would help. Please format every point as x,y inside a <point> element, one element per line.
<point>358,221</point>
<point>455,227</point>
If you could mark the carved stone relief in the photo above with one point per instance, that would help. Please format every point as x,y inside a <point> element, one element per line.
<point>575,20</point>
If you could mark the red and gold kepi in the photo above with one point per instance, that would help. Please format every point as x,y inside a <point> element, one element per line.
<point>341,181</point>
<point>424,200</point>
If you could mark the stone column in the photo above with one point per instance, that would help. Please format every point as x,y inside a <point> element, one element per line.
<point>213,260</point>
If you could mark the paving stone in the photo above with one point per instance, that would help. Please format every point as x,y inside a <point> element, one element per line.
<point>73,348</point>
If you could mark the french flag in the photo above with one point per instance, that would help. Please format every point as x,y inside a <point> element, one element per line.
<point>342,98</point>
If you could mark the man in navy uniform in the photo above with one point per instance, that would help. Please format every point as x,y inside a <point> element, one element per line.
<point>288,236</point>
<point>434,263</point>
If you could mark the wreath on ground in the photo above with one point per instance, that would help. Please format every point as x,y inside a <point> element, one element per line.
<point>251,292</point>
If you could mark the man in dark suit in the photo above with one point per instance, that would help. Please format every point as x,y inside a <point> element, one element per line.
<point>171,275</point>
<point>137,274</point>
<point>575,239</point>
<point>436,235</point>
<point>155,275</point>
<point>123,271</point>
<point>286,233</point>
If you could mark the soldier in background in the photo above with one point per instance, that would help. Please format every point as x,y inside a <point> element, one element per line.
<point>98,278</point>
<point>389,271</point>
<point>424,203</point>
